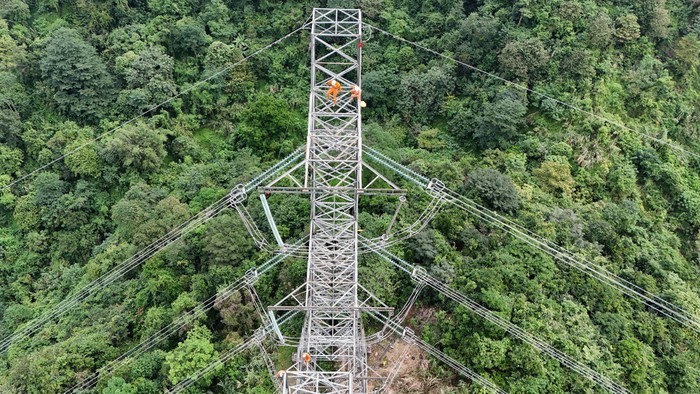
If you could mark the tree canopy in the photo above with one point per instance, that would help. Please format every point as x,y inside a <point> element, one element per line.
<point>71,72</point>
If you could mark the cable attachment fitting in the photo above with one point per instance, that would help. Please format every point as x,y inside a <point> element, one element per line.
<point>251,276</point>
<point>436,186</point>
<point>237,195</point>
<point>419,274</point>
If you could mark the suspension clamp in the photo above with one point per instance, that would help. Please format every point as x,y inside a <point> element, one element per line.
<point>237,195</point>
<point>251,276</point>
<point>435,185</point>
<point>419,274</point>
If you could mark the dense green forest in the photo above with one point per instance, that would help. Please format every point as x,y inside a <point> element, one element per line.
<point>71,70</point>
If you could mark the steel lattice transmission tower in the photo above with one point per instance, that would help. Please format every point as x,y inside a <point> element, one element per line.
<point>331,355</point>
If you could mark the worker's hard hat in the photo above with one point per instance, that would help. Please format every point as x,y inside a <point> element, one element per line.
<point>306,357</point>
<point>281,373</point>
<point>363,104</point>
<point>333,82</point>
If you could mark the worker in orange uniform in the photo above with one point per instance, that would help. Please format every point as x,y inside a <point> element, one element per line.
<point>335,88</point>
<point>356,93</point>
<point>306,357</point>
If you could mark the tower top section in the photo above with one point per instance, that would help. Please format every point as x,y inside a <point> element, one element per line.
<point>336,22</point>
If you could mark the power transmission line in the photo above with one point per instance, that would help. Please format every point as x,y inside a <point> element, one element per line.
<point>194,313</point>
<point>410,337</point>
<point>153,108</point>
<point>559,253</point>
<point>516,331</point>
<point>537,93</point>
<point>254,339</point>
<point>597,272</point>
<point>149,251</point>
<point>115,273</point>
